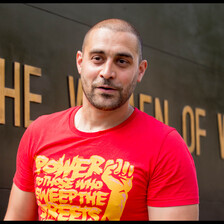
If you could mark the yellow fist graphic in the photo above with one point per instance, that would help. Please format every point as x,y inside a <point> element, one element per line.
<point>118,178</point>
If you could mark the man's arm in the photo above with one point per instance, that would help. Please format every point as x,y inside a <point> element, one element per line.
<point>22,205</point>
<point>187,212</point>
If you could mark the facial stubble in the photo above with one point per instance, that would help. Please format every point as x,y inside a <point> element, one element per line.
<point>104,101</point>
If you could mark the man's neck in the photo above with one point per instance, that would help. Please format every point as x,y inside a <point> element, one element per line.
<point>90,119</point>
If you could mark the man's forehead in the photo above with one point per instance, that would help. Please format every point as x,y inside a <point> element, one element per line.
<point>104,30</point>
<point>103,38</point>
<point>116,25</point>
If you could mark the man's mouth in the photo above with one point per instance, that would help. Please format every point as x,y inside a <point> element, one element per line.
<point>106,87</point>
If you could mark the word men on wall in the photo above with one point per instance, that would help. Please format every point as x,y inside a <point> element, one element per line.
<point>194,115</point>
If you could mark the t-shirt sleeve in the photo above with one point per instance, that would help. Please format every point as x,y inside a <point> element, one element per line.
<point>23,177</point>
<point>174,180</point>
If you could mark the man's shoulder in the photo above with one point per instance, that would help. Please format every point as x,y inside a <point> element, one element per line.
<point>53,118</point>
<point>151,122</point>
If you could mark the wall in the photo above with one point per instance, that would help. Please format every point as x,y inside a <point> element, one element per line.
<point>183,85</point>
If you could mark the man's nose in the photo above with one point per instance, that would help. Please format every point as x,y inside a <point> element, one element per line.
<point>108,71</point>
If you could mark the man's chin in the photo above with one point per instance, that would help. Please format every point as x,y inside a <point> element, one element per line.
<point>106,102</point>
<point>107,107</point>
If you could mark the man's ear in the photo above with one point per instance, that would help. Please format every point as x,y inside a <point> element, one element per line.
<point>79,61</point>
<point>142,68</point>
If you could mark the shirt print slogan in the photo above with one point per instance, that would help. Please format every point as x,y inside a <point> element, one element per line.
<point>83,189</point>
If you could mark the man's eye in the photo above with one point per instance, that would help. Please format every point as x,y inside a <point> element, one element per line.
<point>97,59</point>
<point>122,62</point>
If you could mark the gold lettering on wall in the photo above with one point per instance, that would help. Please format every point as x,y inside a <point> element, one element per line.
<point>188,111</point>
<point>8,92</point>
<point>162,114</point>
<point>2,91</point>
<point>221,133</point>
<point>199,132</point>
<point>17,93</point>
<point>131,100</point>
<point>195,128</point>
<point>158,111</point>
<point>71,89</point>
<point>75,101</point>
<point>144,99</point>
<point>79,94</point>
<point>28,96</point>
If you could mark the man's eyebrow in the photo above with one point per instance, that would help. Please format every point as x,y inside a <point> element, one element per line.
<point>121,54</point>
<point>124,54</point>
<point>96,51</point>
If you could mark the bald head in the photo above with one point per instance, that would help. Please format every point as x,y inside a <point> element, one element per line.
<point>116,25</point>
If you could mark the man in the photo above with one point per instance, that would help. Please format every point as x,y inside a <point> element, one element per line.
<point>104,160</point>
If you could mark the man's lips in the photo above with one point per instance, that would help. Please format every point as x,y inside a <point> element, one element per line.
<point>105,87</point>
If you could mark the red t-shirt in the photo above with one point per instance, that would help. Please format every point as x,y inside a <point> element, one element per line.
<point>107,175</point>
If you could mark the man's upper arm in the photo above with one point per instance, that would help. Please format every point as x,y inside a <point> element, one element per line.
<point>22,205</point>
<point>173,190</point>
<point>186,212</point>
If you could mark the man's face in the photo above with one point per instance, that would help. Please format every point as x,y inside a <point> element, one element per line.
<point>109,68</point>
